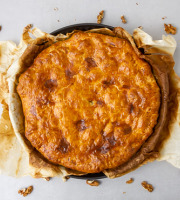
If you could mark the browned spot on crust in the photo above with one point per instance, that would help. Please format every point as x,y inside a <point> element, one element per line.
<point>99,102</point>
<point>91,102</point>
<point>116,123</point>
<point>69,73</point>
<point>127,129</point>
<point>112,44</point>
<point>105,148</point>
<point>81,126</point>
<point>126,86</point>
<point>90,63</point>
<point>63,146</point>
<point>147,186</point>
<point>33,110</point>
<point>109,142</point>
<point>42,102</point>
<point>51,84</point>
<point>131,108</point>
<point>107,83</point>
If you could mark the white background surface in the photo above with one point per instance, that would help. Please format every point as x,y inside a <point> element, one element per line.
<point>16,14</point>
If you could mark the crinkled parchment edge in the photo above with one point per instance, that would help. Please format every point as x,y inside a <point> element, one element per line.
<point>170,146</point>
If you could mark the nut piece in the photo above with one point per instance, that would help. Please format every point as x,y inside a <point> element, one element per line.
<point>123,19</point>
<point>67,177</point>
<point>0,28</point>
<point>164,17</point>
<point>170,29</point>
<point>26,191</point>
<point>92,182</point>
<point>47,178</point>
<point>147,186</point>
<point>131,180</point>
<point>100,17</point>
<point>140,27</point>
<point>29,26</point>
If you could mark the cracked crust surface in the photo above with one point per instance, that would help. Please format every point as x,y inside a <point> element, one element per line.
<point>89,102</point>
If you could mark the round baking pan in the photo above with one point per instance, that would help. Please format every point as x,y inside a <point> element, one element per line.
<point>83,27</point>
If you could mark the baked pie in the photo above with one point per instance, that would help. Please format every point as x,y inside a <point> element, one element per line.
<point>90,102</point>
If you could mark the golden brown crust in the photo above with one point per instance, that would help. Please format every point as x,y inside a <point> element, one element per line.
<point>84,112</point>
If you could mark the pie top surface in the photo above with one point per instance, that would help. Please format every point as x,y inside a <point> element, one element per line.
<point>89,102</point>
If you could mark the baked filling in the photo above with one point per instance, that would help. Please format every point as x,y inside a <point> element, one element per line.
<point>89,102</point>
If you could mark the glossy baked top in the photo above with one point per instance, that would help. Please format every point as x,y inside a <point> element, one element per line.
<point>89,102</point>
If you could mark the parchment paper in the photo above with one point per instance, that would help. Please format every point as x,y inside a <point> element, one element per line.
<point>170,151</point>
<point>17,157</point>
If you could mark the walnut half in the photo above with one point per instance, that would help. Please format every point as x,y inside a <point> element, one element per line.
<point>100,17</point>
<point>47,178</point>
<point>26,191</point>
<point>123,19</point>
<point>170,29</point>
<point>92,182</point>
<point>147,186</point>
